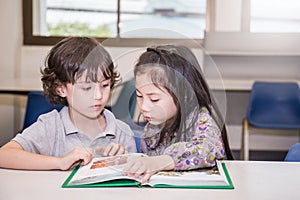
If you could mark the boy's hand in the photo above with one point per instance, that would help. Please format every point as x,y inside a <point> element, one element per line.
<point>111,150</point>
<point>77,155</point>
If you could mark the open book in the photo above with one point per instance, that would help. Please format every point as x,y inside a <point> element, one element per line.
<point>107,172</point>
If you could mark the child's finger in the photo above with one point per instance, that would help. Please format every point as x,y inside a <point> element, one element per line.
<point>86,158</point>
<point>121,150</point>
<point>99,150</point>
<point>129,165</point>
<point>135,169</point>
<point>114,149</point>
<point>85,155</point>
<point>146,177</point>
<point>108,149</point>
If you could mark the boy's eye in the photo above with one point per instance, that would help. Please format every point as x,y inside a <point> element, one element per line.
<point>105,85</point>
<point>139,96</point>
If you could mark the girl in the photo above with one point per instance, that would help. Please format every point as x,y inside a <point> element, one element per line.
<point>185,130</point>
<point>79,73</point>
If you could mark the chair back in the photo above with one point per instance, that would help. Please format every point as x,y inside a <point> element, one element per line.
<point>37,104</point>
<point>274,105</point>
<point>293,154</point>
<point>124,109</point>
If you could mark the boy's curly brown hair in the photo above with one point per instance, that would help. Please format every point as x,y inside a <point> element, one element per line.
<point>69,59</point>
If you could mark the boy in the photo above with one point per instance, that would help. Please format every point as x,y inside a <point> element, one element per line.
<point>79,73</point>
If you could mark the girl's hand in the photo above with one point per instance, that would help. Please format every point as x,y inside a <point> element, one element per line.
<point>111,150</point>
<point>143,166</point>
<point>74,157</point>
<point>147,166</point>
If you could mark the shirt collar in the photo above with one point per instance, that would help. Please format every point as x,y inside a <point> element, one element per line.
<point>70,128</point>
<point>68,125</point>
<point>111,124</point>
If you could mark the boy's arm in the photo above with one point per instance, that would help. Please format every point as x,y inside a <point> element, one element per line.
<point>13,156</point>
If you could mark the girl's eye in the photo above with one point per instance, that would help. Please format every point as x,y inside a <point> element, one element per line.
<point>86,88</point>
<point>154,100</point>
<point>139,96</point>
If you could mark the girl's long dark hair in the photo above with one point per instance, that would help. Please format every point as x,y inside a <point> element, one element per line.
<point>176,68</point>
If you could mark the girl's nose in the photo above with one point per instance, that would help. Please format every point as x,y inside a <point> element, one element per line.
<point>98,92</point>
<point>145,106</point>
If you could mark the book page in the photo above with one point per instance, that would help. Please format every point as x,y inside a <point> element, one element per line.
<point>110,168</point>
<point>190,178</point>
<point>102,169</point>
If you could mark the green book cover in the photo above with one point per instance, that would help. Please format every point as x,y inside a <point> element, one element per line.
<point>106,172</point>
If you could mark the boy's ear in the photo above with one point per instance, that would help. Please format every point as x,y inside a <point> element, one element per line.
<point>61,91</point>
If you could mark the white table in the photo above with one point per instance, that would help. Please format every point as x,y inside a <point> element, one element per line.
<point>252,180</point>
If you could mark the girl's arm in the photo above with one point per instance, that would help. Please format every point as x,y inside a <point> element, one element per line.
<point>13,156</point>
<point>202,149</point>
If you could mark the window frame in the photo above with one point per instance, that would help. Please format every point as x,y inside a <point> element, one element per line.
<point>30,39</point>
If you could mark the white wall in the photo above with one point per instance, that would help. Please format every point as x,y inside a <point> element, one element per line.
<point>236,56</point>
<point>229,15</point>
<point>10,51</point>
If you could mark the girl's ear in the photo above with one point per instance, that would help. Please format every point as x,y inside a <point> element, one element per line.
<point>61,91</point>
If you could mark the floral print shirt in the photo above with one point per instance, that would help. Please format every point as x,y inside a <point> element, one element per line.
<point>202,146</point>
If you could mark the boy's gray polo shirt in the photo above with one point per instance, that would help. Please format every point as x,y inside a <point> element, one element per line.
<point>54,134</point>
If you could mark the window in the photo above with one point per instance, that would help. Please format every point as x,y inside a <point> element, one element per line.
<point>275,16</point>
<point>47,21</point>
